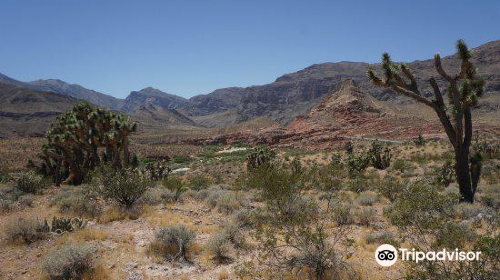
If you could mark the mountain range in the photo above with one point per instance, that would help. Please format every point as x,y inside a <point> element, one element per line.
<point>287,98</point>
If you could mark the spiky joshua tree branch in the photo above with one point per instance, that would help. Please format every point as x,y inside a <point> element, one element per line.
<point>463,91</point>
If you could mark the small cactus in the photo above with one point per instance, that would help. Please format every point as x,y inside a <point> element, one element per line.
<point>66,224</point>
<point>260,156</point>
<point>380,157</point>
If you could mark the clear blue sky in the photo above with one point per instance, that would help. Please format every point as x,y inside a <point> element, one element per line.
<point>189,47</point>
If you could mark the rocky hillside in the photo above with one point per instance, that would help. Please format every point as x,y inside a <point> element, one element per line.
<point>152,96</point>
<point>152,117</point>
<point>78,92</point>
<point>28,112</point>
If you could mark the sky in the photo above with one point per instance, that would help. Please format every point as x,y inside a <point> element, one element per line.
<point>190,47</point>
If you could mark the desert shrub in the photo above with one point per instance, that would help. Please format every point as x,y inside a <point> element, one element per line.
<point>213,197</point>
<point>124,186</point>
<point>77,200</point>
<point>7,205</point>
<point>26,200</point>
<point>31,183</point>
<point>173,243</point>
<point>390,187</point>
<point>357,184</point>
<point>180,159</point>
<point>198,195</point>
<point>199,182</point>
<point>365,215</point>
<point>157,195</point>
<point>10,193</point>
<point>175,185</point>
<point>367,198</point>
<point>486,267</point>
<point>298,220</point>
<point>242,218</point>
<point>26,230</point>
<point>424,217</point>
<point>489,195</point>
<point>383,237</point>
<point>343,214</point>
<point>453,236</point>
<point>420,205</point>
<point>11,198</point>
<point>229,202</point>
<point>401,165</point>
<point>325,177</point>
<point>466,211</point>
<point>219,247</point>
<point>69,262</point>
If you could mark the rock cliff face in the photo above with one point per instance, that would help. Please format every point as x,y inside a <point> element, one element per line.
<point>343,114</point>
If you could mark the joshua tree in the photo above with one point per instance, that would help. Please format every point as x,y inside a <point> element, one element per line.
<point>74,140</point>
<point>463,91</point>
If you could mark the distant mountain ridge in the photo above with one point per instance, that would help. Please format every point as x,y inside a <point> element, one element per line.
<point>289,96</point>
<point>29,112</point>
<point>79,92</point>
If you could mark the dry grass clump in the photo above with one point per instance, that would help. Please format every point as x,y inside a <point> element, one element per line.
<point>78,201</point>
<point>173,243</point>
<point>365,215</point>
<point>25,231</point>
<point>367,198</point>
<point>69,262</point>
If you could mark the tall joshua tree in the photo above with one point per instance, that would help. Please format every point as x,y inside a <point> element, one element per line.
<point>74,140</point>
<point>463,91</point>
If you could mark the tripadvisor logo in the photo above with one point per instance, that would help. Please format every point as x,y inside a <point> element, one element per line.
<point>387,255</point>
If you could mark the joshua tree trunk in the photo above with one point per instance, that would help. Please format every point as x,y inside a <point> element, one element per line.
<point>463,91</point>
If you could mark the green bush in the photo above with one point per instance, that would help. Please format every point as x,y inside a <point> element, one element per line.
<point>180,159</point>
<point>453,236</point>
<point>173,243</point>
<point>31,183</point>
<point>199,182</point>
<point>69,262</point>
<point>124,186</point>
<point>390,187</point>
<point>401,165</point>
<point>175,185</point>
<point>357,184</point>
<point>420,205</point>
